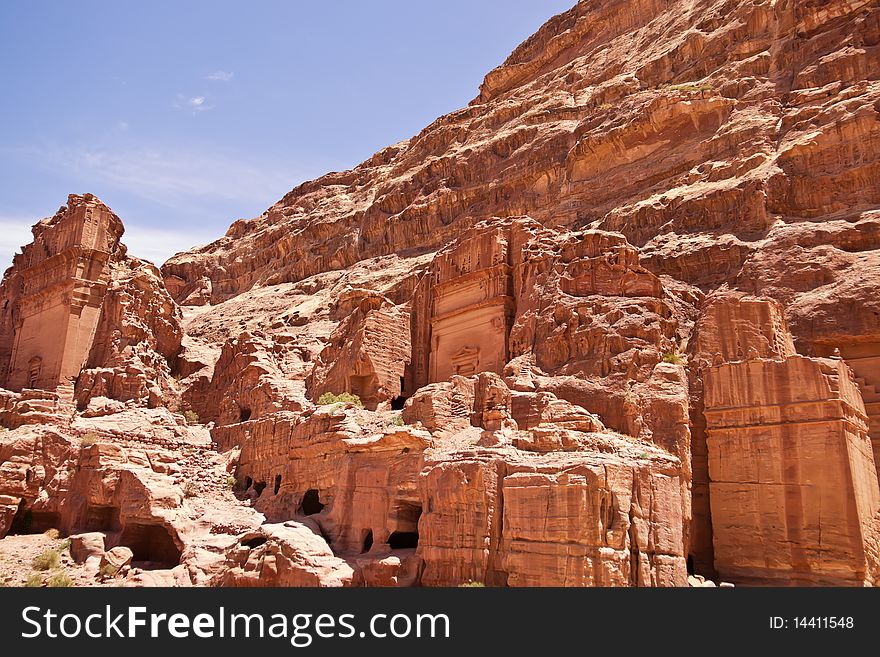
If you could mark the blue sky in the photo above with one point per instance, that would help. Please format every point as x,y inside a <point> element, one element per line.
<point>185,116</point>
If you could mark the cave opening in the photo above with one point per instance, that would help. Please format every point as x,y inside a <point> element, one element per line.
<point>248,482</point>
<point>406,534</point>
<point>259,487</point>
<point>311,503</point>
<point>255,542</point>
<point>277,486</point>
<point>152,545</point>
<point>28,521</point>
<point>244,414</point>
<point>367,542</point>
<point>690,564</point>
<point>398,403</point>
<point>403,540</point>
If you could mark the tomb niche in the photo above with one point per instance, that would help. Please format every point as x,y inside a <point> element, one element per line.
<point>472,306</point>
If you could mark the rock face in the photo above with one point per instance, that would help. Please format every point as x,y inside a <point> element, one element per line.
<point>789,455</point>
<point>53,294</point>
<point>77,310</point>
<point>612,324</point>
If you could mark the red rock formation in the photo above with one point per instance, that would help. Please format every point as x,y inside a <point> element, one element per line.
<point>78,310</point>
<point>367,354</point>
<point>789,458</point>
<point>626,300</point>
<point>53,293</point>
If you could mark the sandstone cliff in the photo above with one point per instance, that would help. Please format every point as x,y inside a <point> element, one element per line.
<point>612,323</point>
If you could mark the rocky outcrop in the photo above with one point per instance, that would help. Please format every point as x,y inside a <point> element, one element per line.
<point>791,473</point>
<point>78,312</point>
<point>283,555</point>
<point>596,518</point>
<point>367,354</point>
<point>52,295</point>
<point>248,382</point>
<point>136,342</point>
<point>614,321</point>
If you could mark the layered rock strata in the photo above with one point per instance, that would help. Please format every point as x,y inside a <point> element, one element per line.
<point>614,321</point>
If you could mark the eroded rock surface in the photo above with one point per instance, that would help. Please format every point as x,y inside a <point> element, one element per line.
<point>615,323</point>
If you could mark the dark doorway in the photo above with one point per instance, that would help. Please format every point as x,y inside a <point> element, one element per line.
<point>255,542</point>
<point>398,403</point>
<point>244,414</point>
<point>28,521</point>
<point>248,482</point>
<point>311,503</point>
<point>368,541</point>
<point>277,484</point>
<point>403,540</point>
<point>152,545</point>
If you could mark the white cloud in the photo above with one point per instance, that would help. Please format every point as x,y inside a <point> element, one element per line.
<point>221,76</point>
<point>169,176</point>
<point>194,103</point>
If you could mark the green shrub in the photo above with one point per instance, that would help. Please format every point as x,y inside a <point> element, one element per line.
<point>89,439</point>
<point>672,357</point>
<point>52,533</point>
<point>59,581</point>
<point>691,87</point>
<point>342,398</point>
<point>33,581</point>
<point>109,570</point>
<point>191,416</point>
<point>231,482</point>
<point>396,421</point>
<point>190,489</point>
<point>472,585</point>
<point>47,560</point>
<point>606,106</point>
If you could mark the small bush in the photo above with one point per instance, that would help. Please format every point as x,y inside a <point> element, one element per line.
<point>108,570</point>
<point>34,581</point>
<point>690,87</point>
<point>672,357</point>
<point>396,421</point>
<point>89,439</point>
<point>60,581</point>
<point>191,416</point>
<point>52,533</point>
<point>643,455</point>
<point>231,482</point>
<point>606,106</point>
<point>342,398</point>
<point>47,560</point>
<point>472,585</point>
<point>191,489</point>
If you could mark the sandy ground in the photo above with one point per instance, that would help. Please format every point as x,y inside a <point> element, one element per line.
<point>17,554</point>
